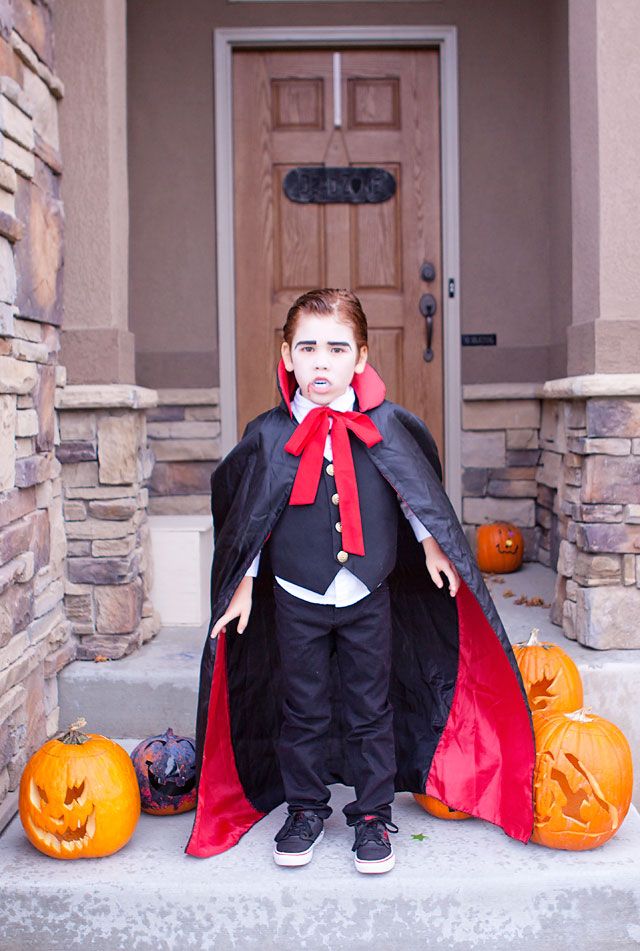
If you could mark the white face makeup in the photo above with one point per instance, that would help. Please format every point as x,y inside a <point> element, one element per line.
<point>323,357</point>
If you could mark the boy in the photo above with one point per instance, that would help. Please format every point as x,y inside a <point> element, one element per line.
<point>334,547</point>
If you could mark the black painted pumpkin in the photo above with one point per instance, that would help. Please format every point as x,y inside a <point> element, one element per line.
<point>165,767</point>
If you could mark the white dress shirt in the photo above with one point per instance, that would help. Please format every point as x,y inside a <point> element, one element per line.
<point>345,588</point>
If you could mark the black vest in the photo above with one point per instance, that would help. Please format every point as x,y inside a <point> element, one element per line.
<point>305,543</point>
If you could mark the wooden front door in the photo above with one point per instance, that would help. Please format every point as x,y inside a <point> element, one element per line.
<point>284,117</point>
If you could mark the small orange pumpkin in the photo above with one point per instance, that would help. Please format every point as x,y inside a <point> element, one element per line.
<point>79,796</point>
<point>437,808</point>
<point>583,780</point>
<point>500,547</point>
<point>550,677</point>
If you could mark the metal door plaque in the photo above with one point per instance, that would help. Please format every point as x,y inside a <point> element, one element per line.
<point>321,184</point>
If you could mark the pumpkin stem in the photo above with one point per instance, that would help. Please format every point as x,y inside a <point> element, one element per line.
<point>74,736</point>
<point>581,715</point>
<point>533,640</point>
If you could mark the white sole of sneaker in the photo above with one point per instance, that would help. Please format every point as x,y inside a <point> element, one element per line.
<point>376,867</point>
<point>293,859</point>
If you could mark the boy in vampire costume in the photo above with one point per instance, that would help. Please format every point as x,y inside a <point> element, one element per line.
<point>335,652</point>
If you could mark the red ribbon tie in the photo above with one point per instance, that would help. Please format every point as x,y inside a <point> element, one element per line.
<point>309,440</point>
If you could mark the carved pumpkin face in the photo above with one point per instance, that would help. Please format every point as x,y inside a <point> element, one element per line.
<point>550,677</point>
<point>437,808</point>
<point>500,547</point>
<point>165,767</point>
<point>79,801</point>
<point>583,780</point>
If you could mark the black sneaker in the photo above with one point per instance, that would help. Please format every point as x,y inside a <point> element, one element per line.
<point>372,847</point>
<point>297,837</point>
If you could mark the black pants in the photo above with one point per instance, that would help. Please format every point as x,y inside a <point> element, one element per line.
<point>362,636</point>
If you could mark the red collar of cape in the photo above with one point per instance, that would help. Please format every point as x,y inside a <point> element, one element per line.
<point>368,386</point>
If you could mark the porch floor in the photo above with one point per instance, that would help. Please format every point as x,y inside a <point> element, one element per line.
<point>157,686</point>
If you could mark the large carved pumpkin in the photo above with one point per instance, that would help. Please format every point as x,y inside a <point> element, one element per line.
<point>500,547</point>
<point>550,677</point>
<point>583,780</point>
<point>437,808</point>
<point>166,769</point>
<point>79,796</point>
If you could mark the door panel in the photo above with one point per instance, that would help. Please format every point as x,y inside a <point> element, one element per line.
<point>284,118</point>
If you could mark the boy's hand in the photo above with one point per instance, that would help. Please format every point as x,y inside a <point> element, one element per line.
<point>437,561</point>
<point>239,606</point>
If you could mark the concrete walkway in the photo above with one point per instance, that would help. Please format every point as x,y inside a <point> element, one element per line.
<point>465,885</point>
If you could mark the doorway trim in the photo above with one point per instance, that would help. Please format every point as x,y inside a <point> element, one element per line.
<point>445,37</point>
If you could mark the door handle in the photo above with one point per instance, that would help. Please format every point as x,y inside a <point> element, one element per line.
<point>428,307</point>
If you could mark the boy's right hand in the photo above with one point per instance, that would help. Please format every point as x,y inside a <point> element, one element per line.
<point>239,606</point>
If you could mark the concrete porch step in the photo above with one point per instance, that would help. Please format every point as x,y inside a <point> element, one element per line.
<point>157,686</point>
<point>466,885</point>
<point>611,678</point>
<point>141,694</point>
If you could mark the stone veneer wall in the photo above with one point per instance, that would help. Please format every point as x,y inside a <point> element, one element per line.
<point>590,437</point>
<point>561,460</point>
<point>184,436</point>
<point>35,636</point>
<point>571,482</point>
<point>75,566</point>
<point>500,455</point>
<point>105,464</point>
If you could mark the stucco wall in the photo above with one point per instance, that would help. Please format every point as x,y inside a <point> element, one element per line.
<point>514,177</point>
<point>91,55</point>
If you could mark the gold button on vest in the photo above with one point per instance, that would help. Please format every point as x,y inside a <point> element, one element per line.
<point>335,498</point>
<point>329,469</point>
<point>338,526</point>
<point>342,557</point>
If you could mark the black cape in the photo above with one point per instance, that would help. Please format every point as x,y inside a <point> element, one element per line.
<point>462,724</point>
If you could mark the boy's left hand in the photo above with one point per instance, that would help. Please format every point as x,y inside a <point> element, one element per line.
<point>437,562</point>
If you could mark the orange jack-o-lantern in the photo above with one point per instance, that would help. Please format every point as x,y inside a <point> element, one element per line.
<point>437,808</point>
<point>500,547</point>
<point>550,677</point>
<point>583,780</point>
<point>79,796</point>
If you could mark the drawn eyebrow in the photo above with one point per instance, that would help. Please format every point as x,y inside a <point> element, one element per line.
<point>332,343</point>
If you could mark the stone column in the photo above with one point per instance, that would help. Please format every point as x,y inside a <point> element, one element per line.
<point>105,463</point>
<point>604,81</point>
<point>91,54</point>
<point>561,460</point>
<point>35,636</point>
<point>591,454</point>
